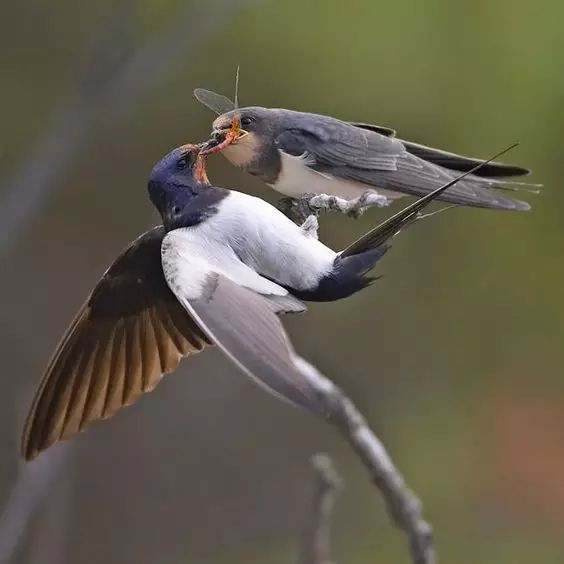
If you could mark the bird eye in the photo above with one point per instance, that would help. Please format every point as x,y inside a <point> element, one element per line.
<point>176,210</point>
<point>181,163</point>
<point>246,121</point>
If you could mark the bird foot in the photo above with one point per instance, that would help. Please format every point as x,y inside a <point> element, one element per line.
<point>297,209</point>
<point>352,208</point>
<point>300,209</point>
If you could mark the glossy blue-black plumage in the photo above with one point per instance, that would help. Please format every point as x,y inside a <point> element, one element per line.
<point>181,198</point>
<point>347,277</point>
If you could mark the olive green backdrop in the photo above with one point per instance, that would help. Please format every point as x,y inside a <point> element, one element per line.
<point>456,356</point>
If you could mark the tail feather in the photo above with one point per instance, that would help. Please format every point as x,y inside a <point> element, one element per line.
<point>392,226</point>
<point>462,163</point>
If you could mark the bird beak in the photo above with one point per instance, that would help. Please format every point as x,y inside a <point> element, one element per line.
<point>223,137</point>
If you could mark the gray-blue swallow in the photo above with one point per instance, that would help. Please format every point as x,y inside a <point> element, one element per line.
<point>298,153</point>
<point>219,271</point>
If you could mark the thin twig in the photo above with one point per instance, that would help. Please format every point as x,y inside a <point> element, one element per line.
<point>316,544</point>
<point>402,504</point>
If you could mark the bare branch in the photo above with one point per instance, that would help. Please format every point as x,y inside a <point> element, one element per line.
<point>402,504</point>
<point>316,544</point>
<point>107,89</point>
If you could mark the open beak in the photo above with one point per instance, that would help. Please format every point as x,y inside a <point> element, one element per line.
<point>222,138</point>
<point>200,167</point>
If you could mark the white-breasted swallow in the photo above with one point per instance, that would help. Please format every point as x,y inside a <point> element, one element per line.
<point>219,271</point>
<point>299,153</point>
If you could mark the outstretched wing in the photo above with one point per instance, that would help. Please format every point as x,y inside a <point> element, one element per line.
<point>242,321</point>
<point>129,333</point>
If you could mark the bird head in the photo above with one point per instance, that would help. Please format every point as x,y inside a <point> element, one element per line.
<point>244,128</point>
<point>176,184</point>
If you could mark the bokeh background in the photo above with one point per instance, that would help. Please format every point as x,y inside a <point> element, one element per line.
<point>456,356</point>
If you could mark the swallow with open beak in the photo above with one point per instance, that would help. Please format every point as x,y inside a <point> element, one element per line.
<point>219,271</point>
<point>299,153</point>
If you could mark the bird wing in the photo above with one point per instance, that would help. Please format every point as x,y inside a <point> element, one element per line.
<point>332,145</point>
<point>386,131</point>
<point>242,322</point>
<point>345,151</point>
<point>130,331</point>
<point>447,159</point>
<point>461,163</point>
<point>418,177</point>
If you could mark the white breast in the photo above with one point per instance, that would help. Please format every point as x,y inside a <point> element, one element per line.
<point>266,241</point>
<point>189,257</point>
<point>296,179</point>
<point>242,151</point>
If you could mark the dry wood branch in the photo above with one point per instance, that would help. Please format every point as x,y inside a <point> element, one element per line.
<point>402,504</point>
<point>316,544</point>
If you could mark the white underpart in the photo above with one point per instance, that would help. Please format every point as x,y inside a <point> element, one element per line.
<point>248,241</point>
<point>241,152</point>
<point>297,178</point>
<point>189,259</point>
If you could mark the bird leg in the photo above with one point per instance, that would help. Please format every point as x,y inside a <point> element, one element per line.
<point>353,208</point>
<point>297,209</point>
<point>310,227</point>
<point>300,209</point>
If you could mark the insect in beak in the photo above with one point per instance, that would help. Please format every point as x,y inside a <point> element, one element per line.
<point>222,138</point>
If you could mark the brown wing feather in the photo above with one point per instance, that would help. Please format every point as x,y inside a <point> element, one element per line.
<point>129,333</point>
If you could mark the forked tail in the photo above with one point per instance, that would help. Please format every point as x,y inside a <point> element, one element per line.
<point>377,237</point>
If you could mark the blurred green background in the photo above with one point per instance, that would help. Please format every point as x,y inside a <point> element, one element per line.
<point>455,356</point>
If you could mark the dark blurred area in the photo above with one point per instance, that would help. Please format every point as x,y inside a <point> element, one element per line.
<point>455,355</point>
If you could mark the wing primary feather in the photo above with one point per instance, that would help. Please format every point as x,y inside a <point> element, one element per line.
<point>34,428</point>
<point>130,331</point>
<point>390,227</point>
<point>64,380</point>
<point>116,384</point>
<point>133,381</point>
<point>97,391</point>
<point>152,370</point>
<point>162,352</point>
<point>77,400</point>
<point>175,335</point>
<point>49,416</point>
<point>169,352</point>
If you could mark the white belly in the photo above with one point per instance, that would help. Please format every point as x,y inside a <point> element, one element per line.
<point>296,179</point>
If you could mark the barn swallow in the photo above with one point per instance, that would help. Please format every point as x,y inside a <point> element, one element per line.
<point>297,153</point>
<point>218,271</point>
